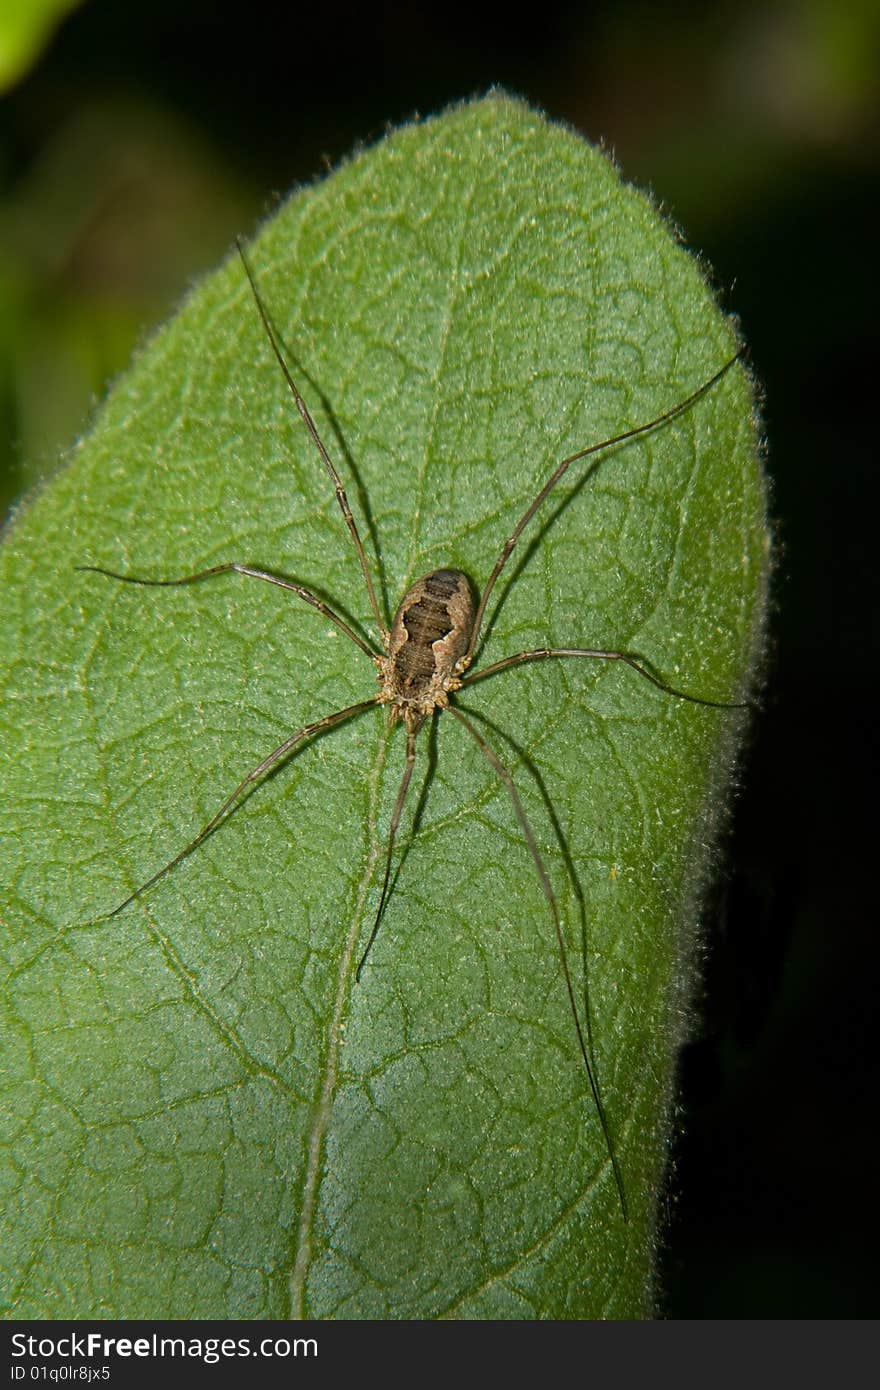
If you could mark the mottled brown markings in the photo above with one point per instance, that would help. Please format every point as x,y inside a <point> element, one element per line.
<point>427,651</point>
<point>425,657</point>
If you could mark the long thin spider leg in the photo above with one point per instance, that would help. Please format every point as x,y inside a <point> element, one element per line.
<point>526,762</point>
<point>310,425</point>
<point>560,471</point>
<point>392,833</point>
<point>492,757</point>
<point>308,731</point>
<point>631,659</point>
<point>550,811</point>
<point>233,566</point>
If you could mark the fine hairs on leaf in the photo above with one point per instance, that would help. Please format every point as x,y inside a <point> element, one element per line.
<point>420,1015</point>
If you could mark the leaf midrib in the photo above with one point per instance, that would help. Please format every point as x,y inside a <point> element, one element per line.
<point>321,1114</point>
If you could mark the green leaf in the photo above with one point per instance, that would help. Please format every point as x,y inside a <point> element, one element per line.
<point>205,1115</point>
<point>25,28</point>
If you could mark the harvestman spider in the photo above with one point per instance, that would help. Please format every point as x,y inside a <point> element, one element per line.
<point>430,646</point>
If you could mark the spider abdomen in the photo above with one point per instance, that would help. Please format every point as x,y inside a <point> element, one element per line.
<point>429,639</point>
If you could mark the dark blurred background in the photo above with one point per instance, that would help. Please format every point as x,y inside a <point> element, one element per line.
<point>136,140</point>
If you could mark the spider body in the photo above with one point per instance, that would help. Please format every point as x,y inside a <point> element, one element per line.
<point>427,647</point>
